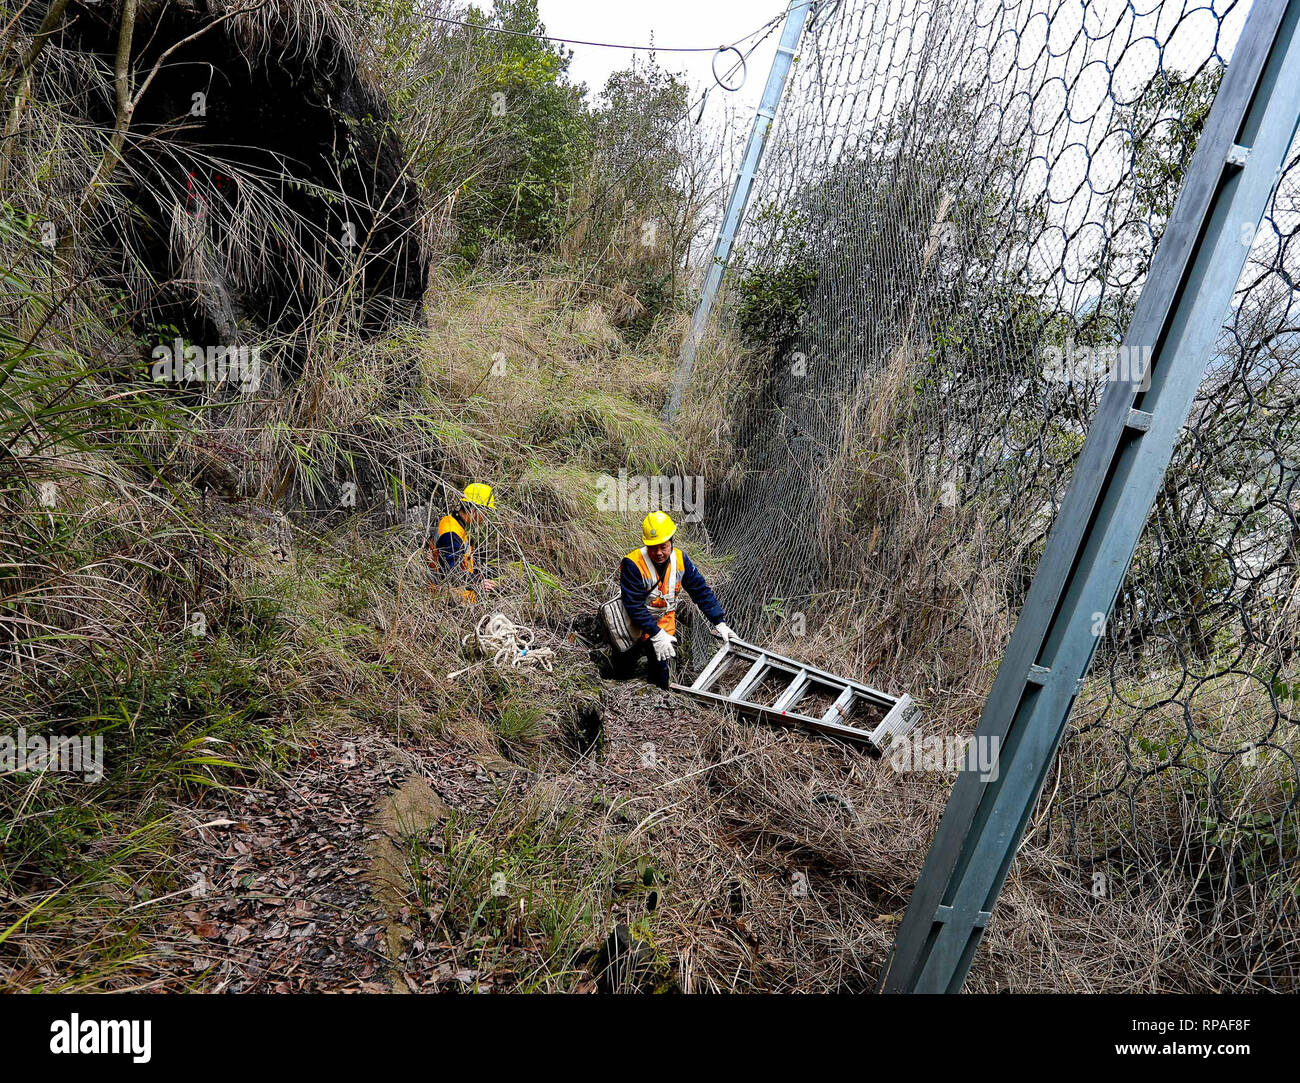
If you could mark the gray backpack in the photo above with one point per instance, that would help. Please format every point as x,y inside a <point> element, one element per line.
<point>623,634</point>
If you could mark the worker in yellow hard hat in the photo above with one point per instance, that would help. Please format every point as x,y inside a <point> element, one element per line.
<point>651,579</point>
<point>451,555</point>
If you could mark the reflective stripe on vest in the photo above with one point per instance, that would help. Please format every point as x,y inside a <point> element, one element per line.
<point>661,594</point>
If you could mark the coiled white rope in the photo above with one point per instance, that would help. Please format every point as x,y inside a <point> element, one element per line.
<point>504,642</point>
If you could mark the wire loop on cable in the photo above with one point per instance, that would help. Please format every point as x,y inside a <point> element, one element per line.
<point>722,51</point>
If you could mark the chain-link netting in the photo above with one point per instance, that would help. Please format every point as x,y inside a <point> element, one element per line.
<point>1179,769</point>
<point>956,212</point>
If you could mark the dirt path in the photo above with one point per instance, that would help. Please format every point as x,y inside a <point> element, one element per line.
<point>303,885</point>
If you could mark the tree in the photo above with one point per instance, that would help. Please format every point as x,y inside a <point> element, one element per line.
<point>641,204</point>
<point>496,133</point>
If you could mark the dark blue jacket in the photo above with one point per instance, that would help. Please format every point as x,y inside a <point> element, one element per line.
<point>632,587</point>
<point>451,551</point>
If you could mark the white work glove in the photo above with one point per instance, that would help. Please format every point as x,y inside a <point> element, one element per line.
<point>663,645</point>
<point>726,633</point>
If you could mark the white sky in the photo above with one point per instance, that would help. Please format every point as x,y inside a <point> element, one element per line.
<point>692,23</point>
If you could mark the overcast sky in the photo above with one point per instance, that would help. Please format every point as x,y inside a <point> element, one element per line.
<point>692,23</point>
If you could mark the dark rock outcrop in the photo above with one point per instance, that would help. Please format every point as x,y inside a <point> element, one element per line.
<point>262,168</point>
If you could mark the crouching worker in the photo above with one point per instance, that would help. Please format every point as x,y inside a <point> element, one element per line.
<point>451,556</point>
<point>650,581</point>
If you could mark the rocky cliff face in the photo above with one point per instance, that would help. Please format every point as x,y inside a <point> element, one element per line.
<point>261,166</point>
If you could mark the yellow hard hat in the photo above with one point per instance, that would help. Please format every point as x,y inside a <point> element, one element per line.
<point>478,493</point>
<point>657,527</point>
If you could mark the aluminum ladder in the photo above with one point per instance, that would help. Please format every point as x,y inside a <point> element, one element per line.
<point>900,712</point>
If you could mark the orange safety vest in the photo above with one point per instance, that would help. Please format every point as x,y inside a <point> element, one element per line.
<point>662,592</point>
<point>449,524</point>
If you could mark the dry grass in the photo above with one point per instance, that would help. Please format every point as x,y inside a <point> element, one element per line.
<point>924,602</point>
<point>781,862</point>
<point>784,862</point>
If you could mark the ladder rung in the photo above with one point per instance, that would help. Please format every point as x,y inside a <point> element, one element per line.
<point>716,677</point>
<point>717,666</point>
<point>750,679</point>
<point>897,723</point>
<point>794,690</point>
<point>839,710</point>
